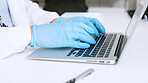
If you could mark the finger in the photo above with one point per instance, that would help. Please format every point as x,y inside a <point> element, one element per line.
<point>98,25</point>
<point>77,44</point>
<point>85,37</point>
<point>88,23</point>
<point>86,28</point>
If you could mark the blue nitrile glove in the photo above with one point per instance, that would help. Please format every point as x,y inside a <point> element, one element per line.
<point>62,34</point>
<point>91,22</point>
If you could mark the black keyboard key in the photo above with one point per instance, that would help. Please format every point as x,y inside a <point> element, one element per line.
<point>100,56</point>
<point>80,52</point>
<point>106,55</point>
<point>91,47</point>
<point>105,45</point>
<point>98,46</point>
<point>104,50</point>
<point>94,53</point>
<point>110,46</point>
<point>68,54</point>
<point>74,53</point>
<point>71,52</point>
<point>86,55</point>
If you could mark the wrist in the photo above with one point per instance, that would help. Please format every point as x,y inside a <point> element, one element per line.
<point>53,20</point>
<point>31,35</point>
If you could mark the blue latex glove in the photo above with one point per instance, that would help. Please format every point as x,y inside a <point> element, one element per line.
<point>62,34</point>
<point>91,22</point>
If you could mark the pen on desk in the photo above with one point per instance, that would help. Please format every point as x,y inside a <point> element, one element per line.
<point>81,76</point>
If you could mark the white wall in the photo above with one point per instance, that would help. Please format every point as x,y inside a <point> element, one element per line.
<point>128,4</point>
<point>40,2</point>
<point>105,3</point>
<point>112,5</point>
<point>131,4</point>
<point>118,4</point>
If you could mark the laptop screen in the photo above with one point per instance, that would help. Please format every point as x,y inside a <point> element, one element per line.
<point>136,17</point>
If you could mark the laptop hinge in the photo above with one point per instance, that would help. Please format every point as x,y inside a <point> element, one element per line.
<point>119,47</point>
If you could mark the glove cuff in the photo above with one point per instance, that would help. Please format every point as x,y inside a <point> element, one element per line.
<point>33,39</point>
<point>59,19</point>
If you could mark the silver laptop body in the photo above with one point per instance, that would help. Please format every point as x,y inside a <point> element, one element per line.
<point>106,51</point>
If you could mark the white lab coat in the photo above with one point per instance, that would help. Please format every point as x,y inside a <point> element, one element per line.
<point>24,13</point>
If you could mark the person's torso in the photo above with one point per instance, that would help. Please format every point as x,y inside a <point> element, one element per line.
<point>5,13</point>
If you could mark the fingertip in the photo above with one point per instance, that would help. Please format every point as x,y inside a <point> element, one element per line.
<point>97,34</point>
<point>104,32</point>
<point>93,42</point>
<point>102,29</point>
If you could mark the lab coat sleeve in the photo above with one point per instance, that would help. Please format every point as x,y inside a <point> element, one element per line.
<point>13,40</point>
<point>37,15</point>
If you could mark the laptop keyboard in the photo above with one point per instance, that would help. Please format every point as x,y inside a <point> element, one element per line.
<point>101,49</point>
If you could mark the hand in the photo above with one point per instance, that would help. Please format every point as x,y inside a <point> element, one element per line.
<point>62,34</point>
<point>91,22</point>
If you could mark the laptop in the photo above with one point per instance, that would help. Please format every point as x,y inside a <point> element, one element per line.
<point>107,50</point>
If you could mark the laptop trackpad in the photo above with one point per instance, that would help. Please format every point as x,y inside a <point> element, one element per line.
<point>50,53</point>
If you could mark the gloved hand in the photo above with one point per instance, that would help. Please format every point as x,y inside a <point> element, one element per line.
<point>91,22</point>
<point>62,34</point>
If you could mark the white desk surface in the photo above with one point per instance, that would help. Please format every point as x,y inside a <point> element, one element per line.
<point>131,68</point>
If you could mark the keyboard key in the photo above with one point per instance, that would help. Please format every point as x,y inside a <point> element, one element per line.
<point>100,55</point>
<point>79,53</point>
<point>86,55</point>
<point>104,50</point>
<point>93,54</point>
<point>105,46</point>
<point>71,52</point>
<point>98,46</point>
<point>74,53</point>
<point>110,46</point>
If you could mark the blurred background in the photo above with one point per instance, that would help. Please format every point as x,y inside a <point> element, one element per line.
<point>61,6</point>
